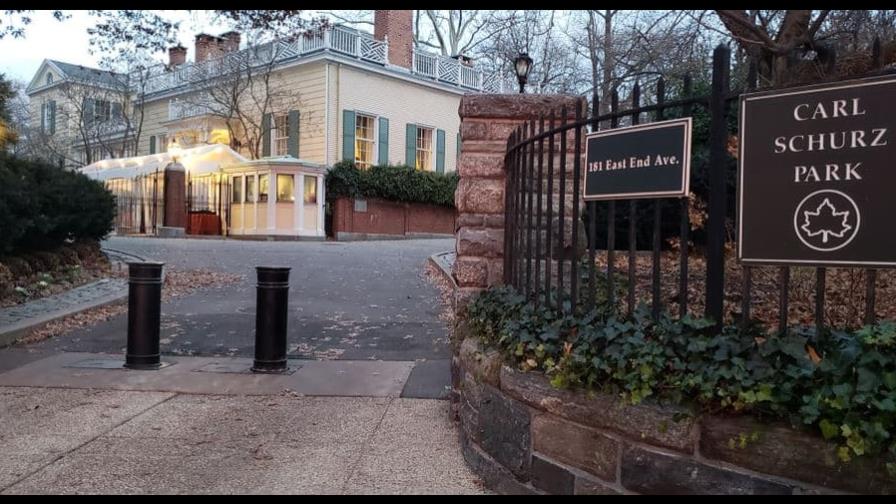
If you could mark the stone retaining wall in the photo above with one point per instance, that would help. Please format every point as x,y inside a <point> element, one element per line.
<point>521,435</point>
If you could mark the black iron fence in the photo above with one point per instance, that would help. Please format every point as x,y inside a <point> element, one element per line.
<point>140,204</point>
<point>542,254</point>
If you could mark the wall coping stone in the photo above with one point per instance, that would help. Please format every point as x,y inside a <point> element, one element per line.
<point>695,455</point>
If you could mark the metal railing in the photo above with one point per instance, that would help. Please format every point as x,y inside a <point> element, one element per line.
<point>180,109</point>
<point>544,209</point>
<point>337,39</point>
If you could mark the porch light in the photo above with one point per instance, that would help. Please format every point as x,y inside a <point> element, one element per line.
<point>522,64</point>
<point>175,150</point>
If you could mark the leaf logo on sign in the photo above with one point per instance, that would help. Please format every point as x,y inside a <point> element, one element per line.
<point>826,221</point>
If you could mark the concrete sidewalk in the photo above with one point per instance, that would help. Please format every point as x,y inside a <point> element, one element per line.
<point>164,432</point>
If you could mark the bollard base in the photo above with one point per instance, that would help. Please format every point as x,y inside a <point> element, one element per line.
<point>270,367</point>
<point>143,362</point>
<point>144,367</point>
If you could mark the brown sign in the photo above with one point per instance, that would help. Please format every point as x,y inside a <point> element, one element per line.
<point>646,161</point>
<point>817,172</point>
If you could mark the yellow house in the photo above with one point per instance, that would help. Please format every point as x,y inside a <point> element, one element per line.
<point>321,97</point>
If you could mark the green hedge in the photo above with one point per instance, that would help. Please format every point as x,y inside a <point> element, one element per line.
<point>842,384</point>
<point>43,205</point>
<point>392,183</point>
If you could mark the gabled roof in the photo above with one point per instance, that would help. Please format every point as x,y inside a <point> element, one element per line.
<point>79,73</point>
<point>83,73</point>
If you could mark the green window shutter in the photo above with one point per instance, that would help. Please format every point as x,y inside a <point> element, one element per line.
<point>348,135</point>
<point>383,142</point>
<point>266,135</point>
<point>410,148</point>
<point>43,117</point>
<point>152,144</point>
<point>52,117</point>
<point>87,110</point>
<point>440,151</point>
<point>292,147</point>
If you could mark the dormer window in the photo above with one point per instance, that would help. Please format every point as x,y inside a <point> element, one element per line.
<point>49,79</point>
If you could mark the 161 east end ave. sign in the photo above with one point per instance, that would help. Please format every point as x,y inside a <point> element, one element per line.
<point>646,161</point>
<point>817,174</point>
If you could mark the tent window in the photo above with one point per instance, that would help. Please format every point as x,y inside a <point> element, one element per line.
<point>237,190</point>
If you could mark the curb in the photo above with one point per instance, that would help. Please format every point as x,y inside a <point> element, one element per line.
<point>12,333</point>
<point>438,260</point>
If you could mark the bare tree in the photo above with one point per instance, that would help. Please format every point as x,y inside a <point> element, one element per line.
<point>242,88</point>
<point>456,32</point>
<point>535,32</point>
<point>624,47</point>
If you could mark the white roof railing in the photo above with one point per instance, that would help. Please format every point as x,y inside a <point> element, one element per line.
<point>336,39</point>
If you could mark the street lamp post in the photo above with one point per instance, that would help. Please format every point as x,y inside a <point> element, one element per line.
<point>522,64</point>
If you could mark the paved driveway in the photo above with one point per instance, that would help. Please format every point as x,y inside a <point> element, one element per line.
<point>348,300</point>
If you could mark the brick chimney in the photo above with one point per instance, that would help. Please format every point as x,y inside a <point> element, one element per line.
<point>177,55</point>
<point>207,47</point>
<point>231,41</point>
<point>398,27</point>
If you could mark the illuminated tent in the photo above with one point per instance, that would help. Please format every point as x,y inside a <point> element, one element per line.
<point>197,161</point>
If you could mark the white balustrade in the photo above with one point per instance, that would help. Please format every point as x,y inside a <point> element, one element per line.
<point>337,39</point>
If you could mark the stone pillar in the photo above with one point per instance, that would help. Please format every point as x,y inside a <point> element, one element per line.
<point>486,122</point>
<point>175,217</point>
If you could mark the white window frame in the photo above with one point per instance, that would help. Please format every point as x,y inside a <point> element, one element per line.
<point>430,165</point>
<point>374,141</point>
<point>275,135</point>
<point>99,115</point>
<point>46,119</point>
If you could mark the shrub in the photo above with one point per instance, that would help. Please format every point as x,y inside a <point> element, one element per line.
<point>841,384</point>
<point>42,206</point>
<point>393,183</point>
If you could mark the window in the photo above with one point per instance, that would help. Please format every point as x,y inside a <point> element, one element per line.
<point>263,187</point>
<point>48,118</point>
<point>237,190</point>
<point>102,110</point>
<point>286,185</point>
<point>310,189</point>
<point>250,189</point>
<point>364,141</point>
<point>280,135</point>
<point>162,145</point>
<point>424,148</point>
<point>49,79</point>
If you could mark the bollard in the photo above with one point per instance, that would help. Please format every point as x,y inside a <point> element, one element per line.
<point>271,311</point>
<point>144,311</point>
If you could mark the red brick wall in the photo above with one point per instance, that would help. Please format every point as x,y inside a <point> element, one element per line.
<point>391,218</point>
<point>398,25</point>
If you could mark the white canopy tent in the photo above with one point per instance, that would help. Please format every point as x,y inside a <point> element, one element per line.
<point>197,161</point>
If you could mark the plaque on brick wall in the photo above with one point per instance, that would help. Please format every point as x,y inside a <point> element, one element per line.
<point>816,175</point>
<point>644,161</point>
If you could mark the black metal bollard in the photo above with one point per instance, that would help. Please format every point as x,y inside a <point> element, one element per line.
<point>144,312</point>
<point>271,310</point>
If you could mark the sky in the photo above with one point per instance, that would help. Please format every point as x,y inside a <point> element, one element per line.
<point>47,38</point>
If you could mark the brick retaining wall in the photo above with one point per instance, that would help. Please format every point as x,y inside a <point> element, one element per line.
<point>373,217</point>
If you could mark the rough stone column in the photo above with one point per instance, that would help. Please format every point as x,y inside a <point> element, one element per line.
<point>175,216</point>
<point>486,122</point>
